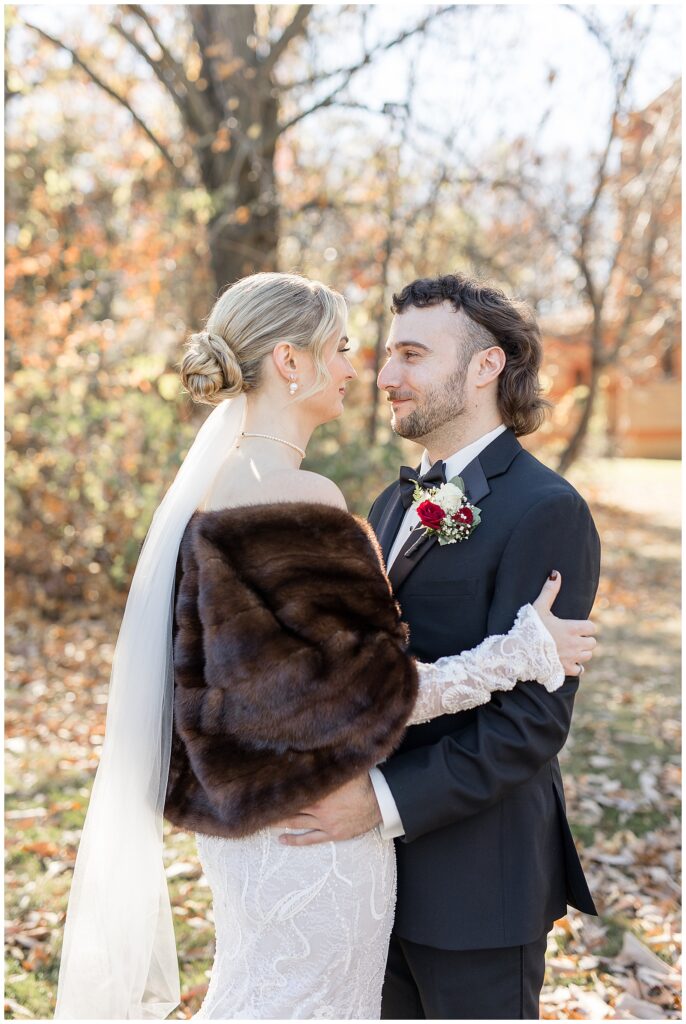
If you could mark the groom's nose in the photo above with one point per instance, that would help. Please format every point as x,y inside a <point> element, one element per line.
<point>389,377</point>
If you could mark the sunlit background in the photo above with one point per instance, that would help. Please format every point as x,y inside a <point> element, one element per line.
<point>154,154</point>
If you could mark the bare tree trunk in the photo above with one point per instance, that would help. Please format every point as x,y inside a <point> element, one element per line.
<point>243,233</point>
<point>379,342</point>
<point>389,245</point>
<point>575,443</point>
<point>237,166</point>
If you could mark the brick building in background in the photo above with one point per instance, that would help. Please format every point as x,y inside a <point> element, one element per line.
<point>640,393</point>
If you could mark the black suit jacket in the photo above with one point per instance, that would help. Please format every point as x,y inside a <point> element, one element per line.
<point>487,858</point>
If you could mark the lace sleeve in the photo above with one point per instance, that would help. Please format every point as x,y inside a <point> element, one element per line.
<point>463,681</point>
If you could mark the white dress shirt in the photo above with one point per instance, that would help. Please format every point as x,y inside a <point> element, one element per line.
<point>392,826</point>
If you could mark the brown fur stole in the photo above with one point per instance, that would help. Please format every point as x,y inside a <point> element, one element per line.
<point>290,668</point>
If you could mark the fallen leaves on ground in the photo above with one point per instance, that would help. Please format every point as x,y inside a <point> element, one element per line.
<point>621,768</point>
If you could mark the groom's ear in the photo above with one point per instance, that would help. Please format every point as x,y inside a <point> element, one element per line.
<point>488,365</point>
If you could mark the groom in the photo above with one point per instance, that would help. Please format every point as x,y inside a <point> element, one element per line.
<point>486,859</point>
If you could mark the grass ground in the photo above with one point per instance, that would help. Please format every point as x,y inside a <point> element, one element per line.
<point>621,767</point>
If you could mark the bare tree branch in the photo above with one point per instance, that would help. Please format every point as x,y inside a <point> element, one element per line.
<point>178,84</point>
<point>155,65</point>
<point>630,213</point>
<point>167,59</point>
<point>95,77</point>
<point>601,176</point>
<point>593,27</point>
<point>595,292</point>
<point>291,32</point>
<point>350,69</point>
<point>369,55</point>
<point>635,300</point>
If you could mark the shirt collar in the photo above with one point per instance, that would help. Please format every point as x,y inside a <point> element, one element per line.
<point>456,462</point>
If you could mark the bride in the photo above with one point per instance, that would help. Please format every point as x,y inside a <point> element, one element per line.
<point>261,664</point>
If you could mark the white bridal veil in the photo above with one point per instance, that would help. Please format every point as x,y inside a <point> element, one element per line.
<point>119,958</point>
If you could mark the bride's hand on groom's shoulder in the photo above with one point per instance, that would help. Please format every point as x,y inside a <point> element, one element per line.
<point>574,638</point>
<point>348,812</point>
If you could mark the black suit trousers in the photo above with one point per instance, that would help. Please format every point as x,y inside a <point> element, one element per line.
<point>424,983</point>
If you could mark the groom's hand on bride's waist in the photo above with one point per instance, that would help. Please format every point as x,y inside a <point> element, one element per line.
<point>349,811</point>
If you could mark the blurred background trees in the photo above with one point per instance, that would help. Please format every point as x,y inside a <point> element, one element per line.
<point>156,153</point>
<point>229,102</point>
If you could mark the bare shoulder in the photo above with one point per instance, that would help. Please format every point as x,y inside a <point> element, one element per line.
<point>319,488</point>
<point>302,485</point>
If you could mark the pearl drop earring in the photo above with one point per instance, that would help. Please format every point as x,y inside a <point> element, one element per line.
<point>293,386</point>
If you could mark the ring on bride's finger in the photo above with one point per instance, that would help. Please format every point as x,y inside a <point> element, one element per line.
<point>581,669</point>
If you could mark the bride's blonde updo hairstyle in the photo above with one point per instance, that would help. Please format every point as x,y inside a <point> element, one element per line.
<point>247,321</point>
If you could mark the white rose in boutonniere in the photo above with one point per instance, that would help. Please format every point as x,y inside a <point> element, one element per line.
<point>449,496</point>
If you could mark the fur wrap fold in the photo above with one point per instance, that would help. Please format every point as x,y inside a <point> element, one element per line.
<point>290,667</point>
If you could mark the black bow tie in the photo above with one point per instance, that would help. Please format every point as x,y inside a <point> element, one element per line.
<point>433,477</point>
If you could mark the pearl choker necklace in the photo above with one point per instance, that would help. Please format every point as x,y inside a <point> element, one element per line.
<point>272,437</point>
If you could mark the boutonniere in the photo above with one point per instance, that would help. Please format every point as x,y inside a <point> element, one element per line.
<point>445,512</point>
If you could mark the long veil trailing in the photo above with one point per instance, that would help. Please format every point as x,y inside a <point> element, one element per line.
<point>119,958</point>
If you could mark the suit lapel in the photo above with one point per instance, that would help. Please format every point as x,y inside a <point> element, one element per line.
<point>475,481</point>
<point>390,522</point>
<point>499,454</point>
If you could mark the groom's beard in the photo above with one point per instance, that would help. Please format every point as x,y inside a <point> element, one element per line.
<point>439,406</point>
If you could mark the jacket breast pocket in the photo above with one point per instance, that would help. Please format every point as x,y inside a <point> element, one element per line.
<point>444,588</point>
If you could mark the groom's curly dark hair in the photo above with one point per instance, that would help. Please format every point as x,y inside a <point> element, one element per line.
<point>492,319</point>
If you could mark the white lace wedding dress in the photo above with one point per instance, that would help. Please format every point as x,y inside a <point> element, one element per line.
<point>302,932</point>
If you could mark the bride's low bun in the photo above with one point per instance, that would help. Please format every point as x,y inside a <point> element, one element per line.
<point>210,370</point>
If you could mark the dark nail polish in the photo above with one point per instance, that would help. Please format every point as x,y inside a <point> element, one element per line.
<point>553,575</point>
